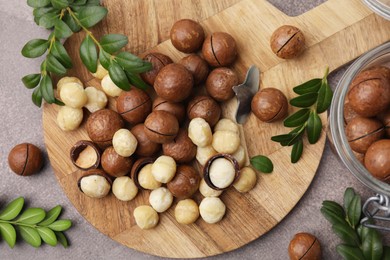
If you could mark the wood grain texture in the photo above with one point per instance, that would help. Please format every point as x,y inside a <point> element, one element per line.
<point>336,33</point>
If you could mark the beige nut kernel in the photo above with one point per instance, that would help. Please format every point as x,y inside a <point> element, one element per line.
<point>246,181</point>
<point>96,99</point>
<point>222,173</point>
<point>212,209</point>
<point>226,124</point>
<point>124,142</point>
<point>206,191</point>
<point>109,87</point>
<point>65,80</point>
<point>186,211</point>
<point>146,179</point>
<point>203,154</point>
<point>95,186</point>
<point>101,72</point>
<point>240,156</point>
<point>69,118</point>
<point>161,199</point>
<point>73,95</point>
<point>199,132</point>
<point>145,217</point>
<point>164,169</point>
<point>124,188</point>
<point>226,142</point>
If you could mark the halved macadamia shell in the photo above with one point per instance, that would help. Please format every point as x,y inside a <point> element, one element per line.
<point>206,170</point>
<point>85,155</point>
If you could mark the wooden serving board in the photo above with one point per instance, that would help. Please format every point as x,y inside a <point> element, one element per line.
<point>337,32</point>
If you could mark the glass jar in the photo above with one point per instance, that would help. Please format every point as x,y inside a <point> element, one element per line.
<point>381,7</point>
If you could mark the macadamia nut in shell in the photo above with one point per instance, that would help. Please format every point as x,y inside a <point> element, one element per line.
<point>25,159</point>
<point>222,173</point>
<point>145,217</point>
<point>124,142</point>
<point>212,209</point>
<point>186,211</point>
<point>124,188</point>
<point>161,199</point>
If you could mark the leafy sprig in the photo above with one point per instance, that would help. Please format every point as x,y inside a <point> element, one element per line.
<point>262,163</point>
<point>314,98</point>
<point>359,242</point>
<point>66,17</point>
<point>34,225</point>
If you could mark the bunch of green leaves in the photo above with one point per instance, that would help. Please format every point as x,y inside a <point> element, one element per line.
<point>65,17</point>
<point>262,163</point>
<point>315,97</point>
<point>359,242</point>
<point>33,225</point>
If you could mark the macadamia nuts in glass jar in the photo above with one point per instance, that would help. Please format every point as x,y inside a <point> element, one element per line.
<point>161,199</point>
<point>145,217</point>
<point>207,191</point>
<point>246,181</point>
<point>101,72</point>
<point>164,169</point>
<point>109,87</point>
<point>226,142</point>
<point>124,142</point>
<point>73,95</point>
<point>146,179</point>
<point>203,154</point>
<point>212,209</point>
<point>186,211</point>
<point>124,188</point>
<point>69,118</point>
<point>96,99</point>
<point>199,132</point>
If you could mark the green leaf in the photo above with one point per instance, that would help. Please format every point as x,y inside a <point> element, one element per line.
<point>372,245</point>
<point>61,29</point>
<point>8,233</point>
<point>73,25</point>
<point>90,15</point>
<point>118,76</point>
<point>314,127</point>
<point>39,12</point>
<point>305,100</point>
<point>31,81</point>
<point>62,239</point>
<point>296,151</point>
<point>60,4</point>
<point>346,233</point>
<point>79,2</point>
<point>104,59</point>
<point>30,235</point>
<point>51,216</point>
<point>93,2</point>
<point>46,87</point>
<point>37,97</point>
<point>136,81</point>
<point>262,163</point>
<point>61,54</point>
<point>35,48</point>
<point>60,225</point>
<point>53,65</point>
<point>112,43</point>
<point>296,136</point>
<point>88,54</point>
<point>59,102</point>
<point>47,20</point>
<point>350,252</point>
<point>282,138</point>
<point>334,207</point>
<point>47,235</point>
<point>132,63</point>
<point>349,194</point>
<point>12,210</point>
<point>38,3</point>
<point>310,86</point>
<point>333,217</point>
<point>298,118</point>
<point>354,211</point>
<point>31,216</point>
<point>324,97</point>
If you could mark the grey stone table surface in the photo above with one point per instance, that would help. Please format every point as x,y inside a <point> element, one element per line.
<point>22,122</point>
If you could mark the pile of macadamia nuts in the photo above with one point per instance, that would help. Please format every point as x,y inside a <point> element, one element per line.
<point>158,142</point>
<point>367,119</point>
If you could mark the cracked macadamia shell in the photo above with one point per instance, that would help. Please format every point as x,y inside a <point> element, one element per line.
<point>141,173</point>
<point>197,66</point>
<point>269,104</point>
<point>185,183</point>
<point>212,209</point>
<point>114,164</point>
<point>161,127</point>
<point>187,35</point>
<point>204,107</point>
<point>145,147</point>
<point>25,159</point>
<point>219,49</point>
<point>377,160</point>
<point>181,149</point>
<point>158,61</point>
<point>220,83</point>
<point>287,42</point>
<point>85,155</point>
<point>134,105</point>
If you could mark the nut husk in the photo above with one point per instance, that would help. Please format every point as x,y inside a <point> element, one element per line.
<point>161,127</point>
<point>176,109</point>
<point>219,49</point>
<point>269,104</point>
<point>134,105</point>
<point>181,149</point>
<point>158,61</point>
<point>25,159</point>
<point>206,169</point>
<point>204,107</point>
<point>197,66</point>
<point>185,183</point>
<point>187,35</point>
<point>287,42</point>
<point>85,155</point>
<point>114,164</point>
<point>137,166</point>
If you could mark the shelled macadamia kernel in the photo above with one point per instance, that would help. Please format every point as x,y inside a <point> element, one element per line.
<point>124,188</point>
<point>212,209</point>
<point>73,95</point>
<point>186,211</point>
<point>124,142</point>
<point>146,179</point>
<point>66,80</point>
<point>101,72</point>
<point>226,142</point>
<point>69,118</point>
<point>145,217</point>
<point>203,154</point>
<point>109,87</point>
<point>246,181</point>
<point>161,199</point>
<point>164,169</point>
<point>199,132</point>
<point>96,99</point>
<point>206,191</point>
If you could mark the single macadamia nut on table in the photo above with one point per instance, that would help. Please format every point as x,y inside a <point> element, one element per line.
<point>25,159</point>
<point>65,80</point>
<point>240,156</point>
<point>181,149</point>
<point>124,188</point>
<point>158,61</point>
<point>219,49</point>
<point>203,154</point>
<point>186,211</point>
<point>185,183</point>
<point>69,118</point>
<point>176,109</point>
<point>212,209</point>
<point>204,107</point>
<point>161,127</point>
<point>199,132</point>
<point>95,184</point>
<point>187,35</point>
<point>207,191</point>
<point>220,83</point>
<point>73,95</point>
<point>134,105</point>
<point>114,164</point>
<point>269,105</point>
<point>197,66</point>
<point>96,99</point>
<point>226,142</point>
<point>109,87</point>
<point>304,246</point>
<point>222,173</point>
<point>287,42</point>
<point>164,169</point>
<point>226,124</point>
<point>124,142</point>
<point>377,160</point>
<point>246,181</point>
<point>161,199</point>
<point>85,155</point>
<point>145,147</point>
<point>145,217</point>
<point>101,72</point>
<point>146,179</point>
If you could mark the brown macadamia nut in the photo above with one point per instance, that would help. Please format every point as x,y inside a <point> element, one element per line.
<point>219,49</point>
<point>181,149</point>
<point>95,183</point>
<point>124,142</point>
<point>197,66</point>
<point>287,42</point>
<point>96,99</point>
<point>212,209</point>
<point>199,131</point>
<point>203,154</point>
<point>176,109</point>
<point>164,169</point>
<point>186,211</point>
<point>114,164</point>
<point>73,95</point>
<point>124,188</point>
<point>349,113</point>
<point>304,246</point>
<point>102,125</point>
<point>145,147</point>
<point>69,118</point>
<point>161,127</point>
<point>158,61</point>
<point>362,132</point>
<point>226,124</point>
<point>185,183</point>
<point>160,199</point>
<point>109,87</point>
<point>204,107</point>
<point>145,217</point>
<point>377,160</point>
<point>246,181</point>
<point>174,83</point>
<point>85,155</point>
<point>207,191</point>
<point>134,105</point>
<point>385,119</point>
<point>187,35</point>
<point>226,142</point>
<point>25,159</point>
<point>269,104</point>
<point>220,83</point>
